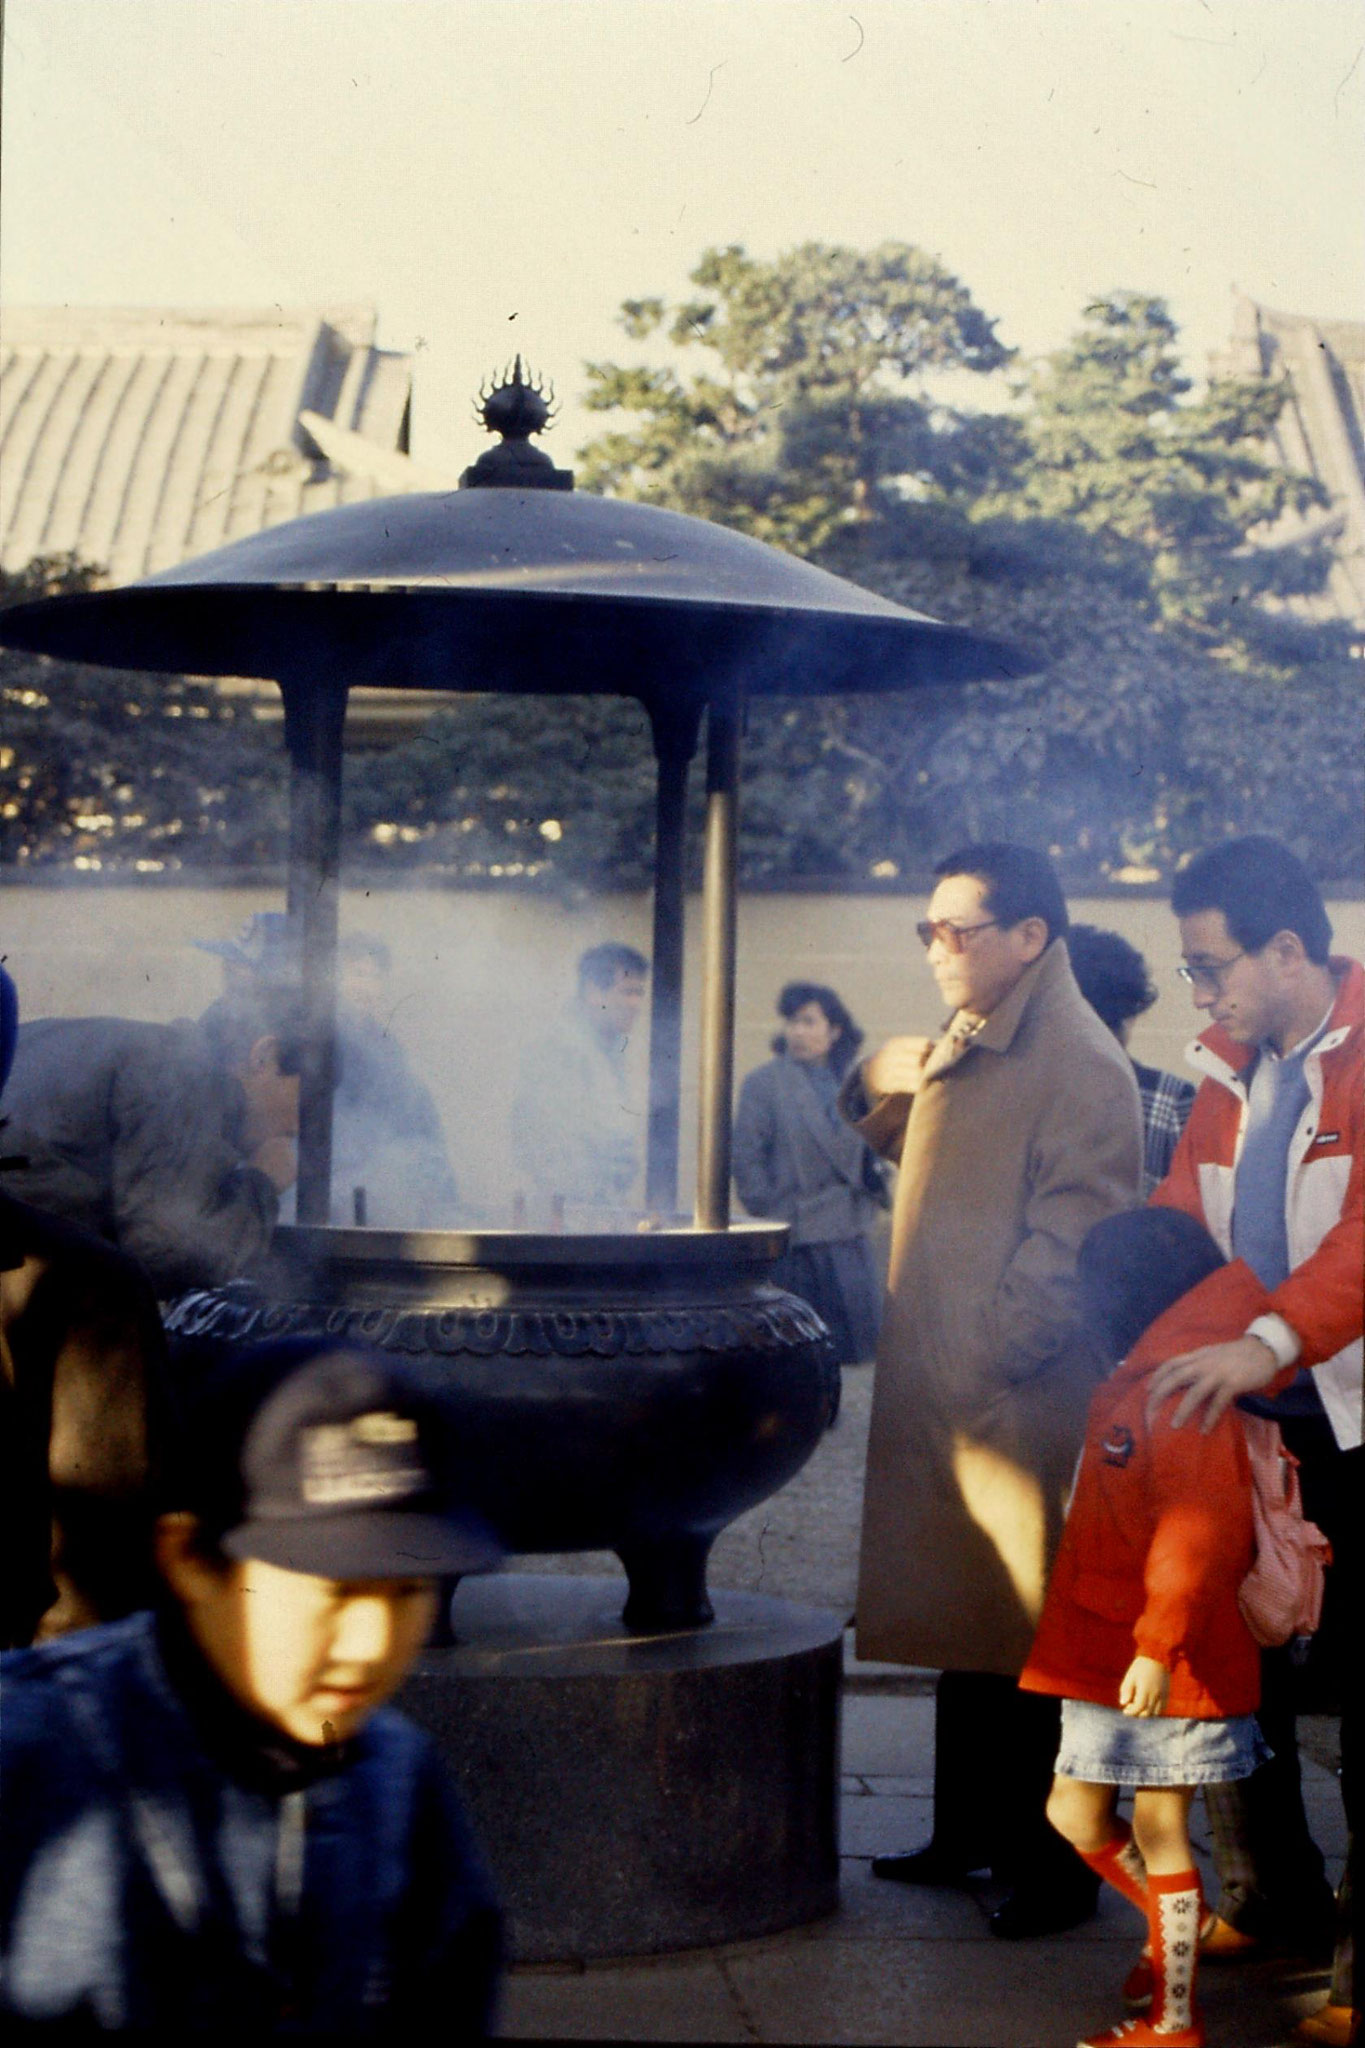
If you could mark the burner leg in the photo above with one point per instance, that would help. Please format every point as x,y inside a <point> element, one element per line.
<point>443,1636</point>
<point>667,1583</point>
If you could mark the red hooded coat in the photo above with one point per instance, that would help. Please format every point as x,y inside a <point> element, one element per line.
<point>1159,1534</point>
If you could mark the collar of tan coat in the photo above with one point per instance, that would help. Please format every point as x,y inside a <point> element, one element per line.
<point>1043,981</point>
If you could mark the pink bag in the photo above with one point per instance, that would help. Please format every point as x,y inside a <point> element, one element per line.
<point>1281,1596</point>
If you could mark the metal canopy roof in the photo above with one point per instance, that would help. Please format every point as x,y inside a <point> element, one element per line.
<point>535,591</point>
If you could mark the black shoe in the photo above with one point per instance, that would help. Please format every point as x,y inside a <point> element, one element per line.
<point>1302,1924</point>
<point>1311,1940</point>
<point>1024,1915</point>
<point>929,1865</point>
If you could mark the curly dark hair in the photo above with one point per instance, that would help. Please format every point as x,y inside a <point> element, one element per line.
<point>1112,974</point>
<point>844,1050</point>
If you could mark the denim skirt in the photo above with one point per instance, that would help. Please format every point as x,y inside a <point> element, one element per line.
<point>1103,1746</point>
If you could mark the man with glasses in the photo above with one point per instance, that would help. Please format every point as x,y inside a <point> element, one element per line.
<point>1271,1163</point>
<point>1014,1132</point>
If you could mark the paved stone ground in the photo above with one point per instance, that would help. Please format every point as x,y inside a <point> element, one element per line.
<point>893,1966</point>
<point>907,1967</point>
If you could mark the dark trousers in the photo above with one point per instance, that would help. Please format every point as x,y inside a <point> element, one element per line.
<point>1270,1868</point>
<point>994,1749</point>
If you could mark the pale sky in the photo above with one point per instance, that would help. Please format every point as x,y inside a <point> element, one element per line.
<point>499,174</point>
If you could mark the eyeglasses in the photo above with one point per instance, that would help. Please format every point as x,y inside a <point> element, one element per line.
<point>954,936</point>
<point>1211,975</point>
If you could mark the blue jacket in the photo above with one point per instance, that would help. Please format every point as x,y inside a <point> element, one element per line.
<point>142,1887</point>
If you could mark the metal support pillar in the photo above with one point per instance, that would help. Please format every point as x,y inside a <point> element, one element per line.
<point>314,717</point>
<point>724,724</point>
<point>675,732</point>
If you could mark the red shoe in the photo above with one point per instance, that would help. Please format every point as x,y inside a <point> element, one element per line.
<point>1139,2033</point>
<point>1139,1984</point>
<point>1218,1943</point>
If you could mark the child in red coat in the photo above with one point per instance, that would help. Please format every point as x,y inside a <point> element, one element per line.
<point>1141,1633</point>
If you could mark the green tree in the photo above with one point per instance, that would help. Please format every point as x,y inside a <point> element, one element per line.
<point>555,791</point>
<point>815,409</point>
<point>1172,491</point>
<point>1107,521</point>
<point>114,771</point>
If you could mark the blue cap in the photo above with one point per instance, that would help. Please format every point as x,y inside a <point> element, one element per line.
<point>266,944</point>
<point>334,1461</point>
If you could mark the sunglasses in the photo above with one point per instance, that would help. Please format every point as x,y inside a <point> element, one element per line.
<point>954,936</point>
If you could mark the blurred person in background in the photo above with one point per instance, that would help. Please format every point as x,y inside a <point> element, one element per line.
<point>82,1362</point>
<point>213,1825</point>
<point>390,1166</point>
<point>576,1129</point>
<point>172,1141</point>
<point>1114,980</point>
<point>796,1158</point>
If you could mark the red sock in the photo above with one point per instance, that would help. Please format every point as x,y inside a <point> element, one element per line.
<point>1120,1864</point>
<point>1174,1909</point>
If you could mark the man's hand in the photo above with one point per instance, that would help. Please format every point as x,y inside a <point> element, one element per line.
<point>1214,1375</point>
<point>897,1067</point>
<point>1143,1690</point>
<point>278,1159</point>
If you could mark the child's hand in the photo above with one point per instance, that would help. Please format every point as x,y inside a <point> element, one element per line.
<point>1144,1688</point>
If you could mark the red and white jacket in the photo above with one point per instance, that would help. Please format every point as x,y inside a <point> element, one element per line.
<point>1323,1299</point>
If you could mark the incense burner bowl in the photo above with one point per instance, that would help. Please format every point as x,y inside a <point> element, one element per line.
<point>623,1390</point>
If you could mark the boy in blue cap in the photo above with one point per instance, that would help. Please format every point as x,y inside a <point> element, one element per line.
<point>211,1820</point>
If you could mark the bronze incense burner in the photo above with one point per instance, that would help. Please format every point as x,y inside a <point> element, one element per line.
<point>632,1390</point>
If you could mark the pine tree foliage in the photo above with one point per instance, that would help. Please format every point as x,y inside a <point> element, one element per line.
<point>816,404</point>
<point>1102,514</point>
<point>1172,490</point>
<point>507,789</point>
<point>1104,517</point>
<point>111,771</point>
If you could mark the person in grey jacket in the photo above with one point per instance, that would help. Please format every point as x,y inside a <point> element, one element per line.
<point>389,1162</point>
<point>576,1130</point>
<point>82,1380</point>
<point>171,1141</point>
<point>796,1158</point>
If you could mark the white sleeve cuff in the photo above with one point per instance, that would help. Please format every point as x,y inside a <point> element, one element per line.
<point>1284,1342</point>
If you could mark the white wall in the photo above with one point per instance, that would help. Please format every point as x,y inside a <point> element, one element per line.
<point>475,974</point>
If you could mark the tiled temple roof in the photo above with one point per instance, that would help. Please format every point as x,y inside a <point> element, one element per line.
<point>135,438</point>
<point>1321,430</point>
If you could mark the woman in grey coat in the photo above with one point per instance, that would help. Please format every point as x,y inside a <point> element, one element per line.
<point>796,1158</point>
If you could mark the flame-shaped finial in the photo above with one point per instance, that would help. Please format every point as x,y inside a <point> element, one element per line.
<point>516,407</point>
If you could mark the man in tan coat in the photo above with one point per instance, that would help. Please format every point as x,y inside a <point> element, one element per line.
<point>1014,1132</point>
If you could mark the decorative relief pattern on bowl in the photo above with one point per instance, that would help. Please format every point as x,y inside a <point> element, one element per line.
<point>781,1323</point>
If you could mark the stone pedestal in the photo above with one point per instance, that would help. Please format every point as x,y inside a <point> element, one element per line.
<point>637,1795</point>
